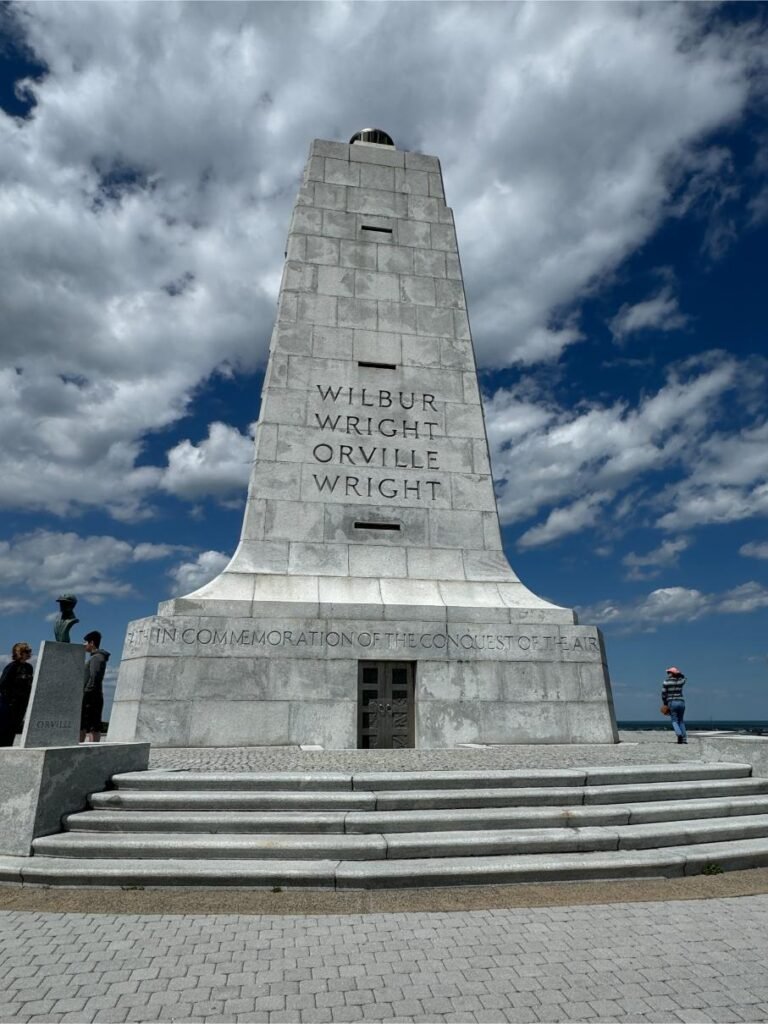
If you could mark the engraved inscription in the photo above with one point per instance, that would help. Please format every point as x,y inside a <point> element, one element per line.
<point>450,641</point>
<point>360,456</point>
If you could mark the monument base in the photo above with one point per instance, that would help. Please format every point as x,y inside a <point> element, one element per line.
<point>39,786</point>
<point>343,675</point>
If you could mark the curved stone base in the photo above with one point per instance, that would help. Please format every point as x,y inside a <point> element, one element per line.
<point>277,674</point>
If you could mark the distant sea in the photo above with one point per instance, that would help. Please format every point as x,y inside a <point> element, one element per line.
<point>758,728</point>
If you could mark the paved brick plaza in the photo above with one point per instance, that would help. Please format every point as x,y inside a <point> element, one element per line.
<point>694,960</point>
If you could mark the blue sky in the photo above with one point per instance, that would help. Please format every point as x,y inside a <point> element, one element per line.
<point>608,169</point>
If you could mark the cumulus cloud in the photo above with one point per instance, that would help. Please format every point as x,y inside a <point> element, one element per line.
<point>728,481</point>
<point>643,567</point>
<point>660,312</point>
<point>220,465</point>
<point>146,552</point>
<point>145,200</point>
<point>669,605</point>
<point>746,598</point>
<point>563,521</point>
<point>45,563</point>
<point>190,576</point>
<point>567,457</point>
<point>754,549</point>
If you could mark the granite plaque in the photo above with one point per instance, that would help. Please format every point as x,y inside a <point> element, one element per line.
<point>53,712</point>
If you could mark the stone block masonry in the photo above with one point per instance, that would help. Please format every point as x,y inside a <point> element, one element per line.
<point>371,547</point>
<point>39,786</point>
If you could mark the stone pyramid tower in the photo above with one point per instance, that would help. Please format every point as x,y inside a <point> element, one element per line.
<point>369,602</point>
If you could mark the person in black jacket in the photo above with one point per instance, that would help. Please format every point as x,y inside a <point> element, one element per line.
<point>15,687</point>
<point>672,696</point>
<point>93,694</point>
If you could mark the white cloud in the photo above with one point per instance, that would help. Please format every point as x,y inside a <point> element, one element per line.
<point>563,521</point>
<point>47,563</point>
<point>146,552</point>
<point>728,482</point>
<point>746,598</point>
<point>15,605</point>
<point>660,312</point>
<point>696,506</point>
<point>676,604</point>
<point>144,203</point>
<point>220,465</point>
<point>569,456</point>
<point>754,549</point>
<point>643,567</point>
<point>190,576</point>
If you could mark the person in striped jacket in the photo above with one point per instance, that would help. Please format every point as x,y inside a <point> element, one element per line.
<point>672,696</point>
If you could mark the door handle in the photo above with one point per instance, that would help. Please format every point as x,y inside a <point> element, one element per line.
<point>389,707</point>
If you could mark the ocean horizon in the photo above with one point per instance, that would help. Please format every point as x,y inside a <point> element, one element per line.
<point>758,726</point>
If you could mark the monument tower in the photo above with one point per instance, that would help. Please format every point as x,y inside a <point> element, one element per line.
<point>369,602</point>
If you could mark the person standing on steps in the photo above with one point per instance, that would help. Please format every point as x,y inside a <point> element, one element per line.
<point>93,694</point>
<point>15,687</point>
<point>672,696</point>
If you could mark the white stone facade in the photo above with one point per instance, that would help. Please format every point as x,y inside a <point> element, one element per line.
<point>371,530</point>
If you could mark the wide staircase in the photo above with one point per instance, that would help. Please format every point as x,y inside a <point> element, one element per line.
<point>418,828</point>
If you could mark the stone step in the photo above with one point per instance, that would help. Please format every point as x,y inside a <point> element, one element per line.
<point>361,822</point>
<point>199,800</point>
<point>143,845</point>
<point>232,781</point>
<point>298,846</point>
<point>672,861</point>
<point>423,780</point>
<point>122,820</point>
<point>554,817</point>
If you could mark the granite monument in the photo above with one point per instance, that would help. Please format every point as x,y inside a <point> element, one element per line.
<point>369,602</point>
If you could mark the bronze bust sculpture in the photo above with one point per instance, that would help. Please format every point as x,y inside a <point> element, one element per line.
<point>65,620</point>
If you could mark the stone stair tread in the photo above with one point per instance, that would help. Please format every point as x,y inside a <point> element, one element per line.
<point>399,780</point>
<point>543,817</point>
<point>621,837</point>
<point>599,776</point>
<point>671,790</point>
<point>718,806</point>
<point>130,872</point>
<point>683,770</point>
<point>576,795</point>
<point>230,780</point>
<point>670,861</point>
<point>406,873</point>
<point>511,778</point>
<point>691,831</point>
<point>120,820</point>
<point>400,844</point>
<point>233,799</point>
<point>292,846</point>
<point>424,799</point>
<point>362,822</point>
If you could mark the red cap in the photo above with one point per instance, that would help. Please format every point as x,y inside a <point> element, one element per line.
<point>674,671</point>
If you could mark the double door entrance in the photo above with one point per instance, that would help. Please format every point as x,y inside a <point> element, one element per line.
<point>385,704</point>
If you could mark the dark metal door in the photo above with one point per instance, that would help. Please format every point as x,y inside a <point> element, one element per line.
<point>385,704</point>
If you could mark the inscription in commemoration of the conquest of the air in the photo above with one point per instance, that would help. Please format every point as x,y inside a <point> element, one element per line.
<point>379,433</point>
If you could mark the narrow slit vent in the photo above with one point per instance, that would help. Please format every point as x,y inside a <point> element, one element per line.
<point>377,366</point>
<point>370,227</point>
<point>377,526</point>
